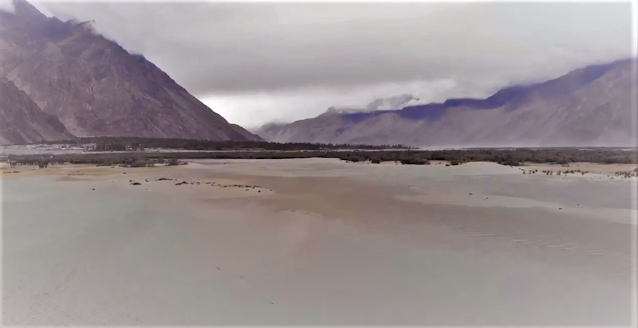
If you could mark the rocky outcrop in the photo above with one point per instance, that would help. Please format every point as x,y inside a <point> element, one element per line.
<point>591,106</point>
<point>95,87</point>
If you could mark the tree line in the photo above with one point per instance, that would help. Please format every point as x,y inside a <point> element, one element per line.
<point>510,157</point>
<point>140,144</point>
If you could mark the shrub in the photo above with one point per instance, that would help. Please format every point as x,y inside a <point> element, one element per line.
<point>141,163</point>
<point>105,163</point>
<point>511,162</point>
<point>414,161</point>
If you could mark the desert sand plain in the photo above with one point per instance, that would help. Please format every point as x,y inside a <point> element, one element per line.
<point>317,241</point>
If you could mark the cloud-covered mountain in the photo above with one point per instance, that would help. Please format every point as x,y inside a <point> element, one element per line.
<point>591,106</point>
<point>394,102</point>
<point>94,86</point>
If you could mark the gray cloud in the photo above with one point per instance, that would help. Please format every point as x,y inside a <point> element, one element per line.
<point>256,50</point>
<point>7,5</point>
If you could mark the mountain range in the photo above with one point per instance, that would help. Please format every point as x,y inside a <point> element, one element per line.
<point>62,79</point>
<point>591,106</point>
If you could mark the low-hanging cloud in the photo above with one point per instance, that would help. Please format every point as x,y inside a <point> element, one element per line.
<point>7,5</point>
<point>232,50</point>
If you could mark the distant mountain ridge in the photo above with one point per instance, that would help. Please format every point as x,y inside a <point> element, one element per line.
<point>22,121</point>
<point>95,87</point>
<point>591,106</point>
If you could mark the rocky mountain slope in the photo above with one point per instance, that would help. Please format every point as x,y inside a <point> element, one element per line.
<point>95,87</point>
<point>591,106</point>
<point>22,121</point>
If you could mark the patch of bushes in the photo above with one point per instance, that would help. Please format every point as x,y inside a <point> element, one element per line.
<point>414,161</point>
<point>107,144</point>
<point>105,163</point>
<point>511,157</point>
<point>510,162</point>
<point>141,163</point>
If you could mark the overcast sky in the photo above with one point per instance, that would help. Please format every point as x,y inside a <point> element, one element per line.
<point>255,63</point>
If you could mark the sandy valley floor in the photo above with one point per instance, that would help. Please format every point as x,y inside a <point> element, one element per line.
<point>316,241</point>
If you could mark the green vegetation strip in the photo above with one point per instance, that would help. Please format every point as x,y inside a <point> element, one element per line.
<point>510,157</point>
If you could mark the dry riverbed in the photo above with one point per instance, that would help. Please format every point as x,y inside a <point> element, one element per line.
<point>317,241</point>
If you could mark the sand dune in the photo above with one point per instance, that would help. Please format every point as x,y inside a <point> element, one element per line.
<point>315,242</point>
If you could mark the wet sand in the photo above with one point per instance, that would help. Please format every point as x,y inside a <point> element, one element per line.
<point>316,241</point>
